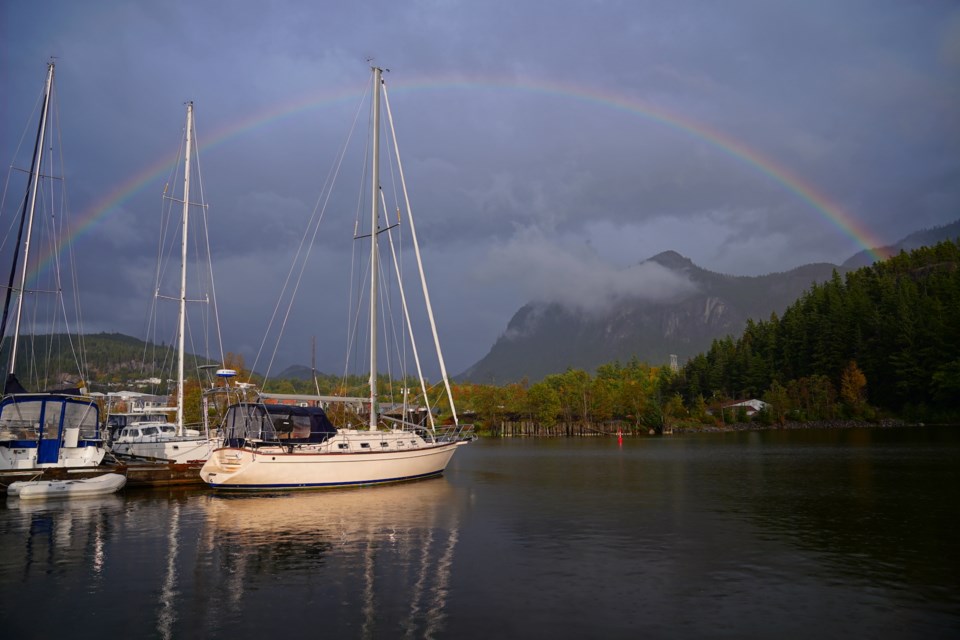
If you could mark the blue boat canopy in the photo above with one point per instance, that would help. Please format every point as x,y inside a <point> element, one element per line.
<point>276,423</point>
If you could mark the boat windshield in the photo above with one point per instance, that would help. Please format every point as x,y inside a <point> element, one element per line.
<point>116,420</point>
<point>151,418</point>
<point>29,417</point>
<point>277,423</point>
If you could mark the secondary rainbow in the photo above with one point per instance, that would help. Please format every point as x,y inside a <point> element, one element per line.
<point>736,149</point>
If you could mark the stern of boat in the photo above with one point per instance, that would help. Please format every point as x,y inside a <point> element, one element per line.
<point>222,465</point>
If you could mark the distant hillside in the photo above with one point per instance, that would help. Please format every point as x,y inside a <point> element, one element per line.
<point>108,358</point>
<point>924,238</point>
<point>545,338</point>
<point>295,372</point>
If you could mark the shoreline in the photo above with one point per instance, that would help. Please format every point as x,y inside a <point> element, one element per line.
<point>794,425</point>
<point>688,429</point>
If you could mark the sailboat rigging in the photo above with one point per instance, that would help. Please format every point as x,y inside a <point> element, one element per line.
<point>271,445</point>
<point>166,441</point>
<point>50,429</point>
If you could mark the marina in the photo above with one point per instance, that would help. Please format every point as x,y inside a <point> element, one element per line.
<point>57,444</point>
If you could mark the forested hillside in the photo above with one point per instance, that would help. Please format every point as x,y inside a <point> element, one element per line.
<point>102,359</point>
<point>890,332</point>
<point>917,239</point>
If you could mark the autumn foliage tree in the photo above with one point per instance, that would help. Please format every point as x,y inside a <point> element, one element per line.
<point>853,388</point>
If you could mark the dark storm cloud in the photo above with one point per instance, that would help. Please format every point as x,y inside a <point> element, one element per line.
<point>518,193</point>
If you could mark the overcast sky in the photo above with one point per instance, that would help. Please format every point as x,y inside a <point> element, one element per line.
<point>548,145</point>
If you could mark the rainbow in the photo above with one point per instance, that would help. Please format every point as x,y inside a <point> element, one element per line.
<point>808,193</point>
<point>111,201</point>
<point>821,203</point>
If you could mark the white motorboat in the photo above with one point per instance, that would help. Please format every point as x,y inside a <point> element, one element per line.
<point>271,446</point>
<point>80,488</point>
<point>116,421</point>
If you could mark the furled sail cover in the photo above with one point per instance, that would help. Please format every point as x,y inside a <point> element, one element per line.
<point>13,385</point>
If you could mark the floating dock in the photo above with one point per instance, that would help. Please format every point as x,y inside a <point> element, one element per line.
<point>139,474</point>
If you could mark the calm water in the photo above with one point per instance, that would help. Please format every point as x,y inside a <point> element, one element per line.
<point>776,534</point>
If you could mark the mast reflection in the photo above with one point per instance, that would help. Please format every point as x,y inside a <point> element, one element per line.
<point>384,555</point>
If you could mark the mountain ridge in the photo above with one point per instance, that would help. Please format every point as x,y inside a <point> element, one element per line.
<point>547,337</point>
<point>917,239</point>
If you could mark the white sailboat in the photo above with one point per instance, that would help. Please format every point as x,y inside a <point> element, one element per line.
<point>172,441</point>
<point>271,446</point>
<point>50,429</point>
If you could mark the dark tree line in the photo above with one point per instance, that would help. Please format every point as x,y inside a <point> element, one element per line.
<point>896,324</point>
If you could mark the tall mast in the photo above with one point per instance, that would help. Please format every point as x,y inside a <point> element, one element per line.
<point>183,269</point>
<point>30,205</point>
<point>374,205</point>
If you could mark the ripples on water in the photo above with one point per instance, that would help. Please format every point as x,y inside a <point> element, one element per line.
<point>730,535</point>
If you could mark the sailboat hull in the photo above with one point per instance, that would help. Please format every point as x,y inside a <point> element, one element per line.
<point>276,468</point>
<point>24,455</point>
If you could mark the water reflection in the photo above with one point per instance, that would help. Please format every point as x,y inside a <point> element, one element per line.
<point>870,507</point>
<point>742,535</point>
<point>384,554</point>
<point>58,532</point>
<point>367,562</point>
<point>168,610</point>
